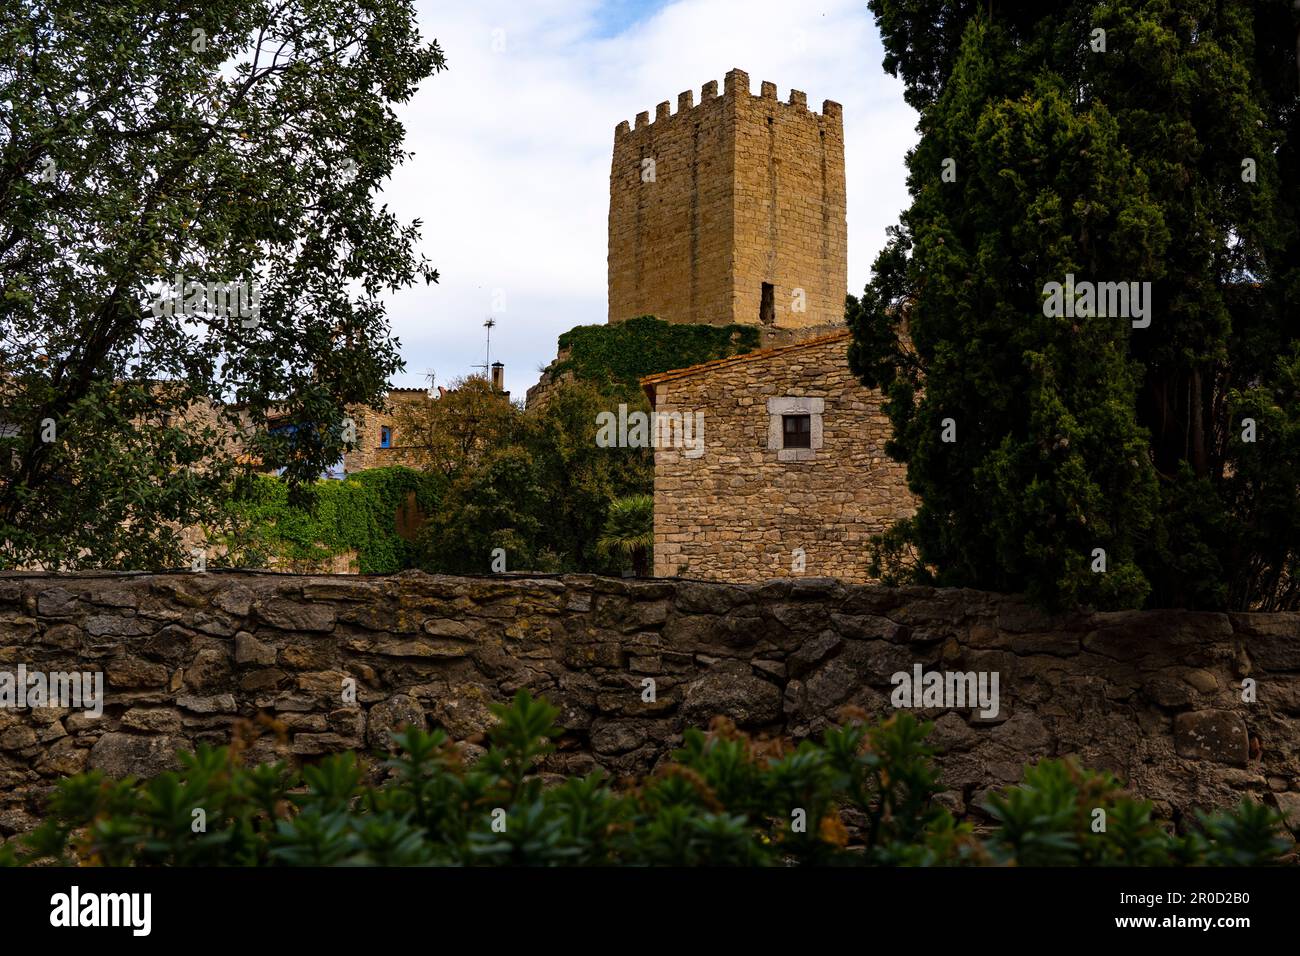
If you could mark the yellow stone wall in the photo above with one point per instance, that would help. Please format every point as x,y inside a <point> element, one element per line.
<point>737,512</point>
<point>711,201</point>
<point>370,422</point>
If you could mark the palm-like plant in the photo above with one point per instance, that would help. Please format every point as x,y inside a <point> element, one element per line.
<point>630,531</point>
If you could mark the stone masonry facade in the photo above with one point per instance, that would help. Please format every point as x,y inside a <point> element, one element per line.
<point>710,204</point>
<point>369,451</point>
<point>1155,697</point>
<point>747,509</point>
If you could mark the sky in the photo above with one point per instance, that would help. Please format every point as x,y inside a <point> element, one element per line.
<point>513,142</point>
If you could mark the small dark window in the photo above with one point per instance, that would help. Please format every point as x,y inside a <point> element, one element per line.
<point>767,310</point>
<point>796,431</point>
<point>385,437</point>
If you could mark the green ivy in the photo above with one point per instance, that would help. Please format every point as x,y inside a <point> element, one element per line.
<point>620,354</point>
<point>358,513</point>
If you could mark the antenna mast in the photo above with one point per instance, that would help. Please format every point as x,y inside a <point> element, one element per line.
<point>487,358</point>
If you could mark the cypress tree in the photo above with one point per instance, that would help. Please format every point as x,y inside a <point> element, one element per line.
<point>1147,457</point>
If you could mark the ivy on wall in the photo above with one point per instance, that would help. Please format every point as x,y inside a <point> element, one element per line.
<point>359,513</point>
<point>620,354</point>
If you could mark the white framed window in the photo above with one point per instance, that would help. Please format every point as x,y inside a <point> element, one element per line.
<point>794,427</point>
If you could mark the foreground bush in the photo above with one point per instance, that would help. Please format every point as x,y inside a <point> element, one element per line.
<point>864,795</point>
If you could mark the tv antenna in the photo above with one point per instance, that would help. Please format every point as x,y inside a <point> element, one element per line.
<point>487,358</point>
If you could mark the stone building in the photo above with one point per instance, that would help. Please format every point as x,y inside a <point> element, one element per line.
<point>733,210</point>
<point>792,476</point>
<point>380,438</point>
<point>730,210</point>
<point>379,435</point>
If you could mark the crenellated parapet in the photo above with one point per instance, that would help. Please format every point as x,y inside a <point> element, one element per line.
<point>735,86</point>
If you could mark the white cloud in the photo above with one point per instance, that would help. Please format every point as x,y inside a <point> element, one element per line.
<point>512,151</point>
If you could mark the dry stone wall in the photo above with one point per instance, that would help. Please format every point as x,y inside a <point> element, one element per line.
<point>1156,697</point>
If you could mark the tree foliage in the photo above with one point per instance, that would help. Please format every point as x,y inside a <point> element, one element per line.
<point>1089,460</point>
<point>453,432</point>
<point>241,141</point>
<point>533,483</point>
<point>583,479</point>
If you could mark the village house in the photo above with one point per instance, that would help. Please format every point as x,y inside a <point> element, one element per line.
<point>381,435</point>
<point>793,478</point>
<point>380,438</point>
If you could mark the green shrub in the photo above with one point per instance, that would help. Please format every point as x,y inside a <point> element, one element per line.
<point>615,357</point>
<point>630,531</point>
<point>864,795</point>
<point>269,526</point>
<point>501,503</point>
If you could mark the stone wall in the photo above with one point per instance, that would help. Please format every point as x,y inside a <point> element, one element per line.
<point>1155,697</point>
<point>790,224</point>
<point>747,511</point>
<point>548,381</point>
<point>370,422</point>
<point>710,202</point>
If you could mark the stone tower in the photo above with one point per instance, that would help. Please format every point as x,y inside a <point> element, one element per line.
<point>731,210</point>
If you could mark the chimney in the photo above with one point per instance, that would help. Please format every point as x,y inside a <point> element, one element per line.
<point>498,377</point>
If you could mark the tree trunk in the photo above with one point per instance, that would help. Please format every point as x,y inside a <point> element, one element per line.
<point>1196,425</point>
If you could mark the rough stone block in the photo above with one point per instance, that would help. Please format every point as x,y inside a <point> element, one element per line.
<point>1217,735</point>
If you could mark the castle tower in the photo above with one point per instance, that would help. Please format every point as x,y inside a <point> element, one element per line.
<point>731,210</point>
